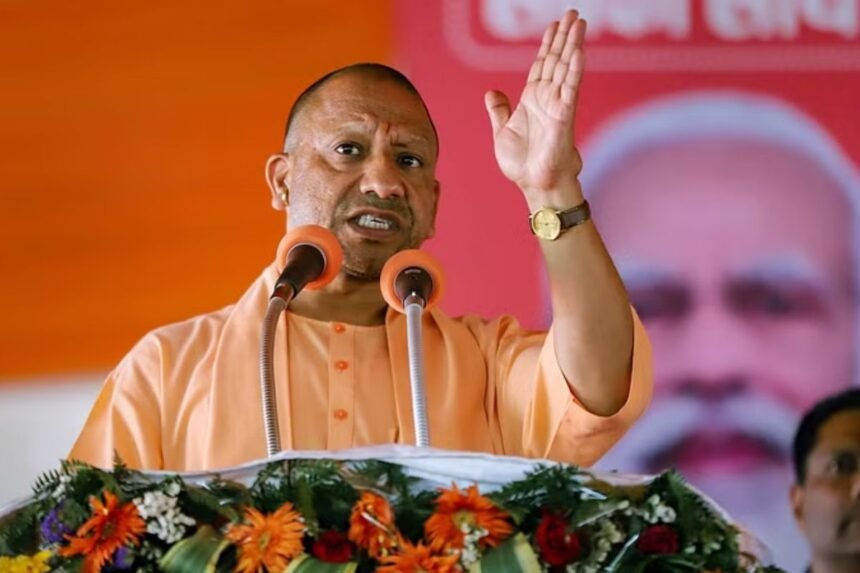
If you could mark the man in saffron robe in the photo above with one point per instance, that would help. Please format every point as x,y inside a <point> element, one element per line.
<point>359,158</point>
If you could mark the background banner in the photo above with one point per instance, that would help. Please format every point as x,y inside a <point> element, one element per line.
<point>720,143</point>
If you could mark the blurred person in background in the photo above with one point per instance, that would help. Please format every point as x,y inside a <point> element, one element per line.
<point>732,218</point>
<point>826,495</point>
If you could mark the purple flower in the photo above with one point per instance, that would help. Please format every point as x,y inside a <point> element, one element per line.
<point>122,558</point>
<point>52,527</point>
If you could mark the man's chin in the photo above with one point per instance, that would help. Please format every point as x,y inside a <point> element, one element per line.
<point>361,273</point>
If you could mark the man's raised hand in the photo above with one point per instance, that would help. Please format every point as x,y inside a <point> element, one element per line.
<point>534,144</point>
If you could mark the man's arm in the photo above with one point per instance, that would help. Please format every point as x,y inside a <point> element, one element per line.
<point>592,322</point>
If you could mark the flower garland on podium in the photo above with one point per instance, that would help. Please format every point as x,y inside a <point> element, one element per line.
<point>308,516</point>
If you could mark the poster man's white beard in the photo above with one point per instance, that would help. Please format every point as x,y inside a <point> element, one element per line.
<point>672,420</point>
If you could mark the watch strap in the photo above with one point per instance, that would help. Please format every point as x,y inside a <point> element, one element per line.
<point>574,216</point>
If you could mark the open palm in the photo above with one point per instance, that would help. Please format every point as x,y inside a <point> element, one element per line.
<point>534,145</point>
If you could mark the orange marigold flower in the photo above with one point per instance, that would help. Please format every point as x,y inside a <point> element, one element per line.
<point>112,526</point>
<point>454,509</point>
<point>267,542</point>
<point>418,559</point>
<point>371,525</point>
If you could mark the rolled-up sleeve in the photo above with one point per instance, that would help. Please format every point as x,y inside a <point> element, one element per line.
<point>539,417</point>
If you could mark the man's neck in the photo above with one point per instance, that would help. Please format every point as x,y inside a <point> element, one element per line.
<point>836,564</point>
<point>346,299</point>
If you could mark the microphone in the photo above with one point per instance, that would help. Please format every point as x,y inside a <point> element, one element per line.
<point>411,282</point>
<point>310,257</point>
<point>412,277</point>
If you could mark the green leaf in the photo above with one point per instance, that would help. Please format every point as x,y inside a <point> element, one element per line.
<point>513,556</point>
<point>200,552</point>
<point>589,512</point>
<point>205,505</point>
<point>19,532</point>
<point>307,564</point>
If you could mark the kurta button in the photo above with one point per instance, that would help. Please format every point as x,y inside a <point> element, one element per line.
<point>339,328</point>
<point>341,365</point>
<point>341,414</point>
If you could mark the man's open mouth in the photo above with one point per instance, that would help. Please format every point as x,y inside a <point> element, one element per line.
<point>375,222</point>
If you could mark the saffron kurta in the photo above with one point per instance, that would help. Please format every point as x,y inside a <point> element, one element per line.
<point>187,396</point>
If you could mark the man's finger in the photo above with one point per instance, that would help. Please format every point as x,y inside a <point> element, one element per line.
<point>570,88</point>
<point>498,108</point>
<point>574,40</point>
<point>573,44</point>
<point>579,33</point>
<point>558,42</point>
<point>537,66</point>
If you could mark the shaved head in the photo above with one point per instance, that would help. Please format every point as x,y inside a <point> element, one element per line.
<point>368,70</point>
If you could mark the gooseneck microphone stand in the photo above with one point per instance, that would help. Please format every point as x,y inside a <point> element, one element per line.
<point>413,285</point>
<point>414,306</point>
<point>290,283</point>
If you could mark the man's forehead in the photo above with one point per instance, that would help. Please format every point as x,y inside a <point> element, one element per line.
<point>367,97</point>
<point>841,430</point>
<point>732,168</point>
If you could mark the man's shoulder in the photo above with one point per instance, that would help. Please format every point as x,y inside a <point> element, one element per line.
<point>203,326</point>
<point>168,343</point>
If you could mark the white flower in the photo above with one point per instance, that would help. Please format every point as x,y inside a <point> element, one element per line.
<point>471,554</point>
<point>162,516</point>
<point>609,532</point>
<point>665,514</point>
<point>62,488</point>
<point>655,511</point>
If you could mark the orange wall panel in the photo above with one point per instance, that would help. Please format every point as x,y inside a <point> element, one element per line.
<point>132,146</point>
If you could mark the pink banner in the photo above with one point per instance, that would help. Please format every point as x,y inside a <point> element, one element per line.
<point>720,143</point>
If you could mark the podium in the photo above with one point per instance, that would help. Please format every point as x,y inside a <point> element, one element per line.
<point>385,508</point>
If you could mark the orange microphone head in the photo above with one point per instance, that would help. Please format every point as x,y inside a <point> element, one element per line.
<point>399,266</point>
<point>320,238</point>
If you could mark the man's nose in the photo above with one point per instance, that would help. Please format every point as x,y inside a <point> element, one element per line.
<point>382,177</point>
<point>717,353</point>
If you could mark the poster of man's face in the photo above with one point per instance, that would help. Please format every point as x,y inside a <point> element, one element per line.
<point>732,219</point>
<point>719,143</point>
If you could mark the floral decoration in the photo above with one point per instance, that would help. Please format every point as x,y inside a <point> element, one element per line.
<point>330,516</point>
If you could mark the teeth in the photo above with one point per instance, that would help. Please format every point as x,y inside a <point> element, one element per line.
<point>371,222</point>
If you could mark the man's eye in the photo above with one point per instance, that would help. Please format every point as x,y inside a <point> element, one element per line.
<point>844,463</point>
<point>772,301</point>
<point>660,302</point>
<point>348,149</point>
<point>410,161</point>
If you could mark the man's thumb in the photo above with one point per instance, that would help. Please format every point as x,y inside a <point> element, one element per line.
<point>498,108</point>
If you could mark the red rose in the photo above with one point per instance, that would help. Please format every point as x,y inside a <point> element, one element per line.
<point>332,547</point>
<point>557,545</point>
<point>656,539</point>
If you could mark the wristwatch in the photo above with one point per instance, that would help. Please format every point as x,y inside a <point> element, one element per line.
<point>549,223</point>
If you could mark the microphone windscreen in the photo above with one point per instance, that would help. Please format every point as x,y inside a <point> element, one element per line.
<point>322,239</point>
<point>408,259</point>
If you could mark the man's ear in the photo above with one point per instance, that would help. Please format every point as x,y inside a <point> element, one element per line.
<point>277,168</point>
<point>796,495</point>
<point>437,191</point>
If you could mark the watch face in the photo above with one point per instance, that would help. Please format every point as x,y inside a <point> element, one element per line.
<point>546,224</point>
